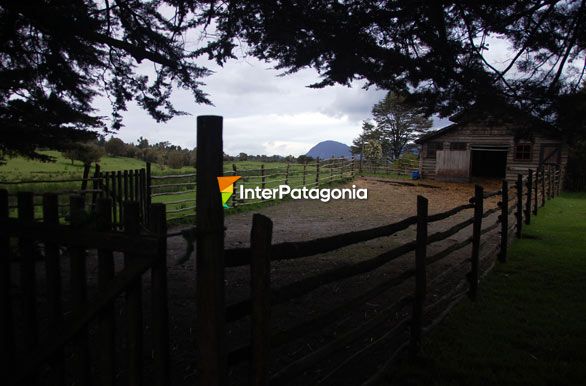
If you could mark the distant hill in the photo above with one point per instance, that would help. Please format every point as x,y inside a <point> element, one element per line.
<point>328,149</point>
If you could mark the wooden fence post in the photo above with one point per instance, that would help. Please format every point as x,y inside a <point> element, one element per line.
<point>558,184</point>
<point>6,322</point>
<point>504,221</point>
<point>143,194</point>
<point>536,201</point>
<point>476,229</point>
<point>519,212</point>
<point>133,301</point>
<point>114,197</point>
<point>131,195</point>
<point>234,199</point>
<point>27,272</point>
<point>85,177</point>
<point>53,272</point>
<point>263,180</point>
<point>96,185</point>
<point>137,187</point>
<point>260,279</point>
<point>77,257</point>
<point>317,172</point>
<point>125,182</point>
<point>420,277</point>
<point>160,307</point>
<point>529,197</point>
<point>120,190</point>
<point>331,165</point>
<point>148,191</point>
<point>287,174</point>
<point>352,167</point>
<point>211,322</point>
<point>551,174</point>
<point>106,319</point>
<point>542,188</point>
<point>304,173</point>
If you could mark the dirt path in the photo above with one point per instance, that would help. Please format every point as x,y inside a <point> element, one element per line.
<point>303,220</point>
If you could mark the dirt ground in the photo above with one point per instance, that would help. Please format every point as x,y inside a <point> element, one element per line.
<point>387,202</point>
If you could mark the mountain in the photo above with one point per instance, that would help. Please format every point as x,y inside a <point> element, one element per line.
<point>327,149</point>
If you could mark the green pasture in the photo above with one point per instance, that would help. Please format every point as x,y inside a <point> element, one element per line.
<point>179,199</point>
<point>528,326</point>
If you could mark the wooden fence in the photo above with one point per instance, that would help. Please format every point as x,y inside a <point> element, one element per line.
<point>398,167</point>
<point>124,186</point>
<point>51,344</point>
<point>86,186</point>
<point>47,314</point>
<point>523,197</point>
<point>177,190</point>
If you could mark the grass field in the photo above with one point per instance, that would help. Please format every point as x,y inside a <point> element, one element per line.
<point>180,201</point>
<point>528,326</point>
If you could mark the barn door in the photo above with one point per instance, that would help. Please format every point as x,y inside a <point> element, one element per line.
<point>452,164</point>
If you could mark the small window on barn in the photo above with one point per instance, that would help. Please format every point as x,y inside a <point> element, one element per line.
<point>523,152</point>
<point>458,146</point>
<point>432,147</point>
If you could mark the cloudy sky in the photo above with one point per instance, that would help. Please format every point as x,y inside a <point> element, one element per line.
<point>265,113</point>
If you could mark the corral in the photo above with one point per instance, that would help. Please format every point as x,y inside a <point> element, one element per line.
<point>320,286</point>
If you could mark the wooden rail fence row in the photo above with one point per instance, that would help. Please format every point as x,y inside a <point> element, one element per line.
<point>262,253</point>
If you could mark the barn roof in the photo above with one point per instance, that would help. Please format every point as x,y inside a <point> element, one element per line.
<point>436,133</point>
<point>493,115</point>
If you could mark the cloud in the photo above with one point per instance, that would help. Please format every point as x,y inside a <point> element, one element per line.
<point>264,113</point>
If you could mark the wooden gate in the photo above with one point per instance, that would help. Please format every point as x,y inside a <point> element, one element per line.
<point>124,186</point>
<point>46,324</point>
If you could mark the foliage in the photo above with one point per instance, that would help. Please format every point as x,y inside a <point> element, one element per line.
<point>437,53</point>
<point>86,153</point>
<point>373,150</point>
<point>58,55</point>
<point>398,123</point>
<point>116,147</point>
<point>177,159</point>
<point>369,132</point>
<point>303,159</point>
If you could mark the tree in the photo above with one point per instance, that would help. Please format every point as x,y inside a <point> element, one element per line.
<point>177,159</point>
<point>142,143</point>
<point>435,52</point>
<point>369,132</point>
<point>58,55</point>
<point>303,159</point>
<point>398,123</point>
<point>243,157</point>
<point>84,152</point>
<point>373,150</point>
<point>150,155</point>
<point>116,147</point>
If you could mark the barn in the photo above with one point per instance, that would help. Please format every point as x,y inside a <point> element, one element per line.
<point>490,143</point>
